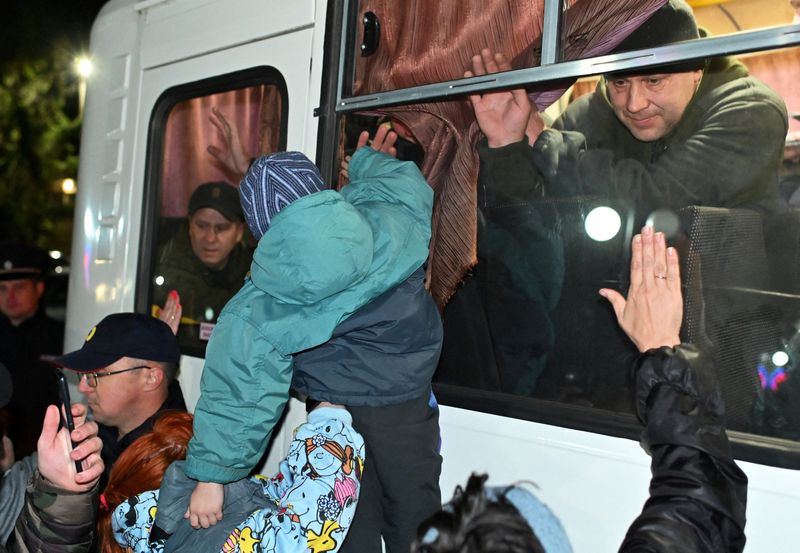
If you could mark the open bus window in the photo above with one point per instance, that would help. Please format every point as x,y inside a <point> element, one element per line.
<point>202,247</point>
<point>526,332</point>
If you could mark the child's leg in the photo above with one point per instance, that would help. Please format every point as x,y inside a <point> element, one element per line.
<point>403,451</point>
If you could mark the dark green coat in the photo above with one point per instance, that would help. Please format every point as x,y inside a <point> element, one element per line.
<point>726,151</point>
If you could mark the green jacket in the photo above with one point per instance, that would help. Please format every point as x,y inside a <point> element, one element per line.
<point>726,151</point>
<point>54,520</point>
<point>324,256</point>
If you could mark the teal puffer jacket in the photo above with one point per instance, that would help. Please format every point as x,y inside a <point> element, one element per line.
<point>324,256</point>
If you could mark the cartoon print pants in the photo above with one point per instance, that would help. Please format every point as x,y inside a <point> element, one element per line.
<point>308,506</point>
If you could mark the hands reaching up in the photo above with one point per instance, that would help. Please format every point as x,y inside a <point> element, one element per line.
<point>504,116</point>
<point>652,313</point>
<point>384,141</point>
<point>232,154</point>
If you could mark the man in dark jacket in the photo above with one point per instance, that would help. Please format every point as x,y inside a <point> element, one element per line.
<point>692,133</point>
<point>27,338</point>
<point>128,366</point>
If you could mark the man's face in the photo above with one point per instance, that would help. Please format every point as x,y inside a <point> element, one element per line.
<point>115,398</point>
<point>213,236</point>
<point>19,299</point>
<point>651,105</point>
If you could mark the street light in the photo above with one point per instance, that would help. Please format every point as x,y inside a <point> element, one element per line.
<point>69,187</point>
<point>84,68</point>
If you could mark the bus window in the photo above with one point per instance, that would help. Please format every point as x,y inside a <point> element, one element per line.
<point>516,269</point>
<point>202,247</point>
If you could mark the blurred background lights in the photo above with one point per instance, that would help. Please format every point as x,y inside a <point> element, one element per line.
<point>159,280</point>
<point>602,224</point>
<point>68,186</point>
<point>84,66</point>
<point>55,254</point>
<point>666,221</point>
<point>780,358</point>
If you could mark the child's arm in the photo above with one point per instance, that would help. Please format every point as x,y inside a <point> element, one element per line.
<point>205,506</point>
<point>244,388</point>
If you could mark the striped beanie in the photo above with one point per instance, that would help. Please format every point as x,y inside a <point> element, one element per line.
<point>272,183</point>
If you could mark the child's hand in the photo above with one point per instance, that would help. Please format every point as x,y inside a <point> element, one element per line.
<point>205,506</point>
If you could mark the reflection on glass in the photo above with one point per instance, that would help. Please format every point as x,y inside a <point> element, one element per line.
<point>721,183</point>
<point>602,224</point>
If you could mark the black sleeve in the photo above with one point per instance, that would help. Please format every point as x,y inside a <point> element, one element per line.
<point>697,492</point>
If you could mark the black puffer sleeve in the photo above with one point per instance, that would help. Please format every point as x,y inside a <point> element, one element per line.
<point>697,492</point>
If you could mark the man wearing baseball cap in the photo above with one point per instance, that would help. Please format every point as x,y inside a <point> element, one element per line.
<point>28,337</point>
<point>206,261</point>
<point>127,365</point>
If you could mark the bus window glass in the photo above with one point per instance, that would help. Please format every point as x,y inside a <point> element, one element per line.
<point>516,264</point>
<point>204,248</point>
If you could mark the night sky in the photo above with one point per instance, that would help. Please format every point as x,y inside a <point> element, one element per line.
<point>38,25</point>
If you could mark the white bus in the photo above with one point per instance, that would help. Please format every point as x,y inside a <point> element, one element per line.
<point>308,74</point>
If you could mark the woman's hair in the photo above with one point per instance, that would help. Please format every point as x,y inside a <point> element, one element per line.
<point>141,467</point>
<point>473,523</point>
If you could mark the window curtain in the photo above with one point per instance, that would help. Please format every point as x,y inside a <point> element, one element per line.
<point>424,41</point>
<point>254,111</point>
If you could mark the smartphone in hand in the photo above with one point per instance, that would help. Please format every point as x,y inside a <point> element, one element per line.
<point>65,408</point>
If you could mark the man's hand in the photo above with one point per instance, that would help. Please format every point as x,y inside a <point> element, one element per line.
<point>57,458</point>
<point>652,314</point>
<point>232,155</point>
<point>384,141</point>
<point>172,310</point>
<point>205,506</point>
<point>504,116</point>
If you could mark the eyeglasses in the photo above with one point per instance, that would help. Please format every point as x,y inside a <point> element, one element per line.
<point>91,378</point>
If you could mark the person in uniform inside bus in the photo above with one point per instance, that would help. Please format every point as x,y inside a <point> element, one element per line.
<point>692,133</point>
<point>128,366</point>
<point>698,494</point>
<point>28,337</point>
<point>206,262</point>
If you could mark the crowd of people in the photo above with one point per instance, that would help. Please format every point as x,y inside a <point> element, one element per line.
<point>333,304</point>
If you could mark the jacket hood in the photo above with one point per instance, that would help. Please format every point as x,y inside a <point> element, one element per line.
<point>316,247</point>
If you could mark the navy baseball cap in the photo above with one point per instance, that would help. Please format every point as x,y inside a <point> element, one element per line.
<point>123,335</point>
<point>6,386</point>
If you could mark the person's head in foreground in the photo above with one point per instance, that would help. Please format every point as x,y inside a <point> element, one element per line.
<point>650,102</point>
<point>492,520</point>
<point>141,467</point>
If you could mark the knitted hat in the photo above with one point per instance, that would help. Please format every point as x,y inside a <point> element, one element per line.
<point>272,183</point>
<point>673,22</point>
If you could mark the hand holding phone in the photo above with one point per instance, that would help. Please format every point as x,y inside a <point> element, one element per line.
<point>65,408</point>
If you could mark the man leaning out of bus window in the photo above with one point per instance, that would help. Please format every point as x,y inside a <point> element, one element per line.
<point>695,132</point>
<point>698,494</point>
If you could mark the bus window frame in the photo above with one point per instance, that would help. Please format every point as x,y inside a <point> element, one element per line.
<point>154,163</point>
<point>335,104</point>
